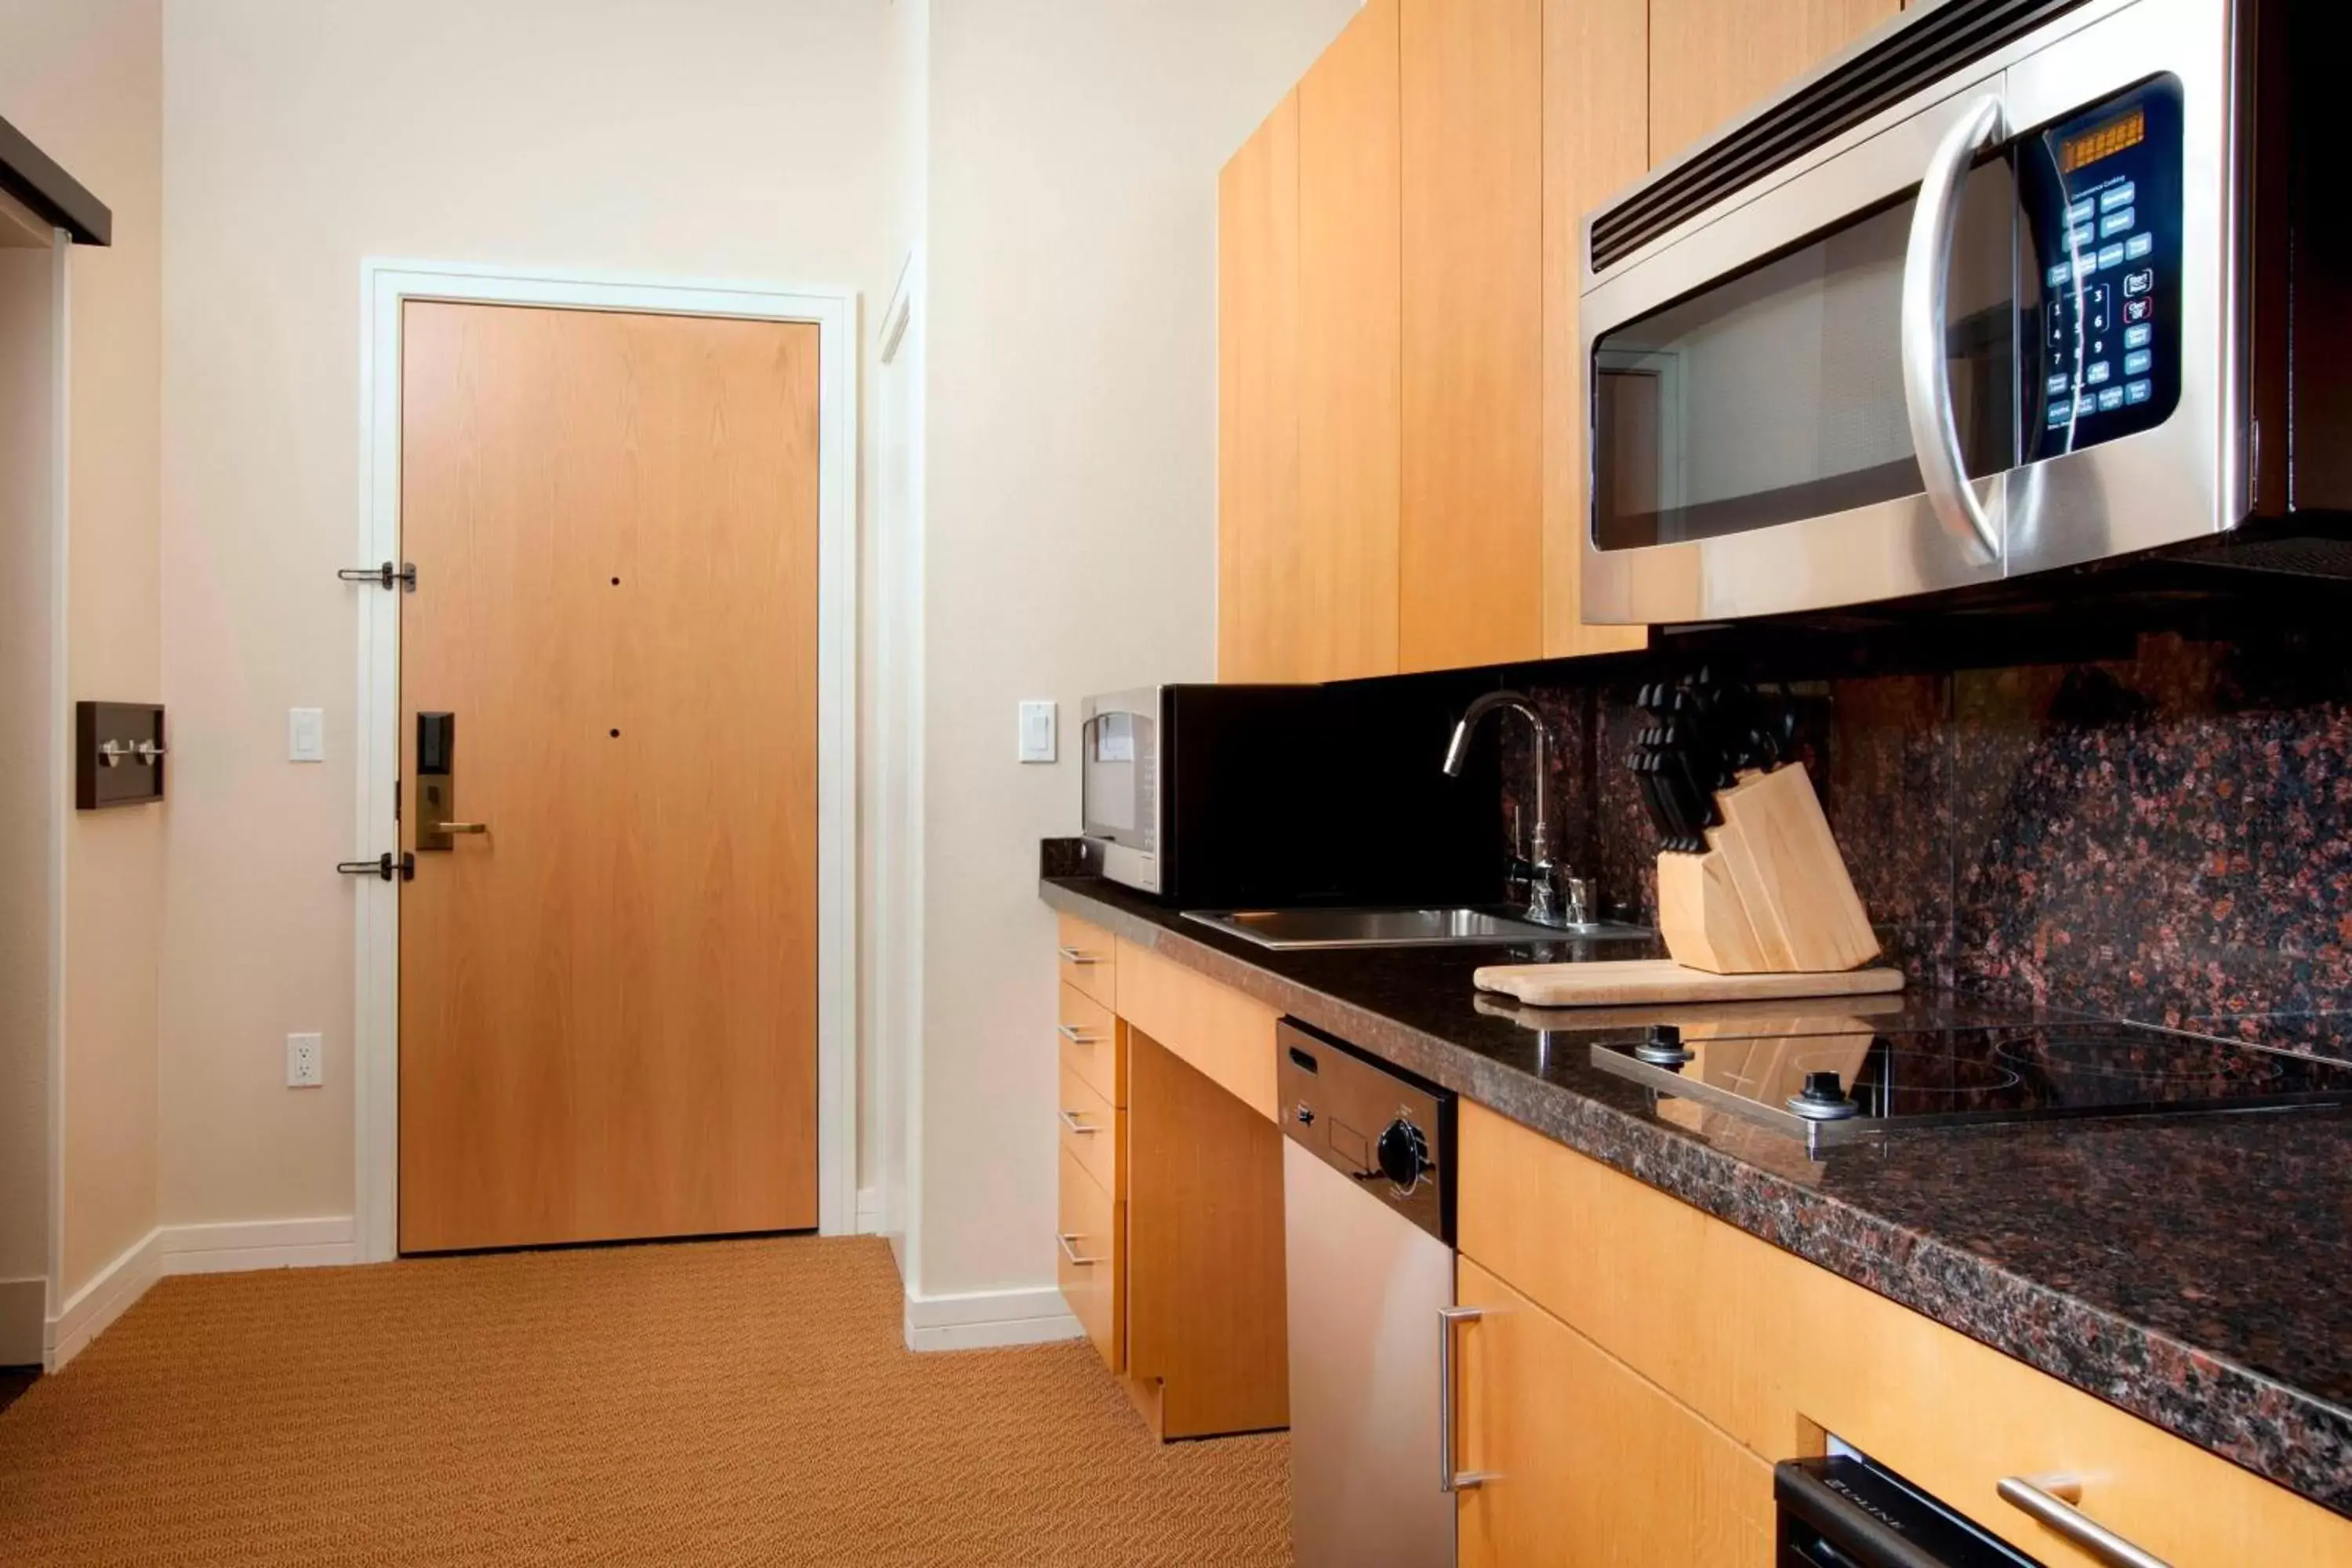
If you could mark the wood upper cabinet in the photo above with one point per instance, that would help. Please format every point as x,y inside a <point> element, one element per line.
<point>1596,141</point>
<point>1260,557</point>
<point>1470,547</point>
<point>1344,614</point>
<point>1589,1462</point>
<point>1308,369</point>
<point>1710,59</point>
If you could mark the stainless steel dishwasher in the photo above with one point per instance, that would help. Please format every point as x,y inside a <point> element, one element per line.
<point>1367,1175</point>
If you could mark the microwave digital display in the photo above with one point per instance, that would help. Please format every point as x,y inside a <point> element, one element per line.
<point>2122,131</point>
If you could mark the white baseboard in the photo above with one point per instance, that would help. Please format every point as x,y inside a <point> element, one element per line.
<point>978,1320</point>
<point>23,1315</point>
<point>88,1312</point>
<point>869,1210</point>
<point>241,1247</point>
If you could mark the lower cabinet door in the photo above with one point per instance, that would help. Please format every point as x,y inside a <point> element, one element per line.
<point>1092,1269</point>
<point>1583,1460</point>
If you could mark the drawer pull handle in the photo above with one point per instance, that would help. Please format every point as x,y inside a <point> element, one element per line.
<point>1078,1036</point>
<point>1070,1250</point>
<point>2052,1499</point>
<point>1084,1129</point>
<point>1450,1479</point>
<point>1075,956</point>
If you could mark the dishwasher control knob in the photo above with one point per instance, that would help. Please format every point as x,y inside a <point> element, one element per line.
<point>1403,1153</point>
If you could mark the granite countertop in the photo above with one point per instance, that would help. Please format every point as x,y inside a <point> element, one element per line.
<point>2193,1270</point>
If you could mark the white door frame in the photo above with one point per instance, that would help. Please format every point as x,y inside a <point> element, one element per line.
<point>385,287</point>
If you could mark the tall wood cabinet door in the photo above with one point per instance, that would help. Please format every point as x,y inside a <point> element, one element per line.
<point>1350,309</point>
<point>1596,141</point>
<point>1258,550</point>
<point>1470,555</point>
<point>1710,59</point>
<point>1588,1463</point>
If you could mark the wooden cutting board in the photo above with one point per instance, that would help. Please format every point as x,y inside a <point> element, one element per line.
<point>1632,982</point>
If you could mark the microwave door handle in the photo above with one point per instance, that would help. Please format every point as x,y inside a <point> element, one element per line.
<point>1926,380</point>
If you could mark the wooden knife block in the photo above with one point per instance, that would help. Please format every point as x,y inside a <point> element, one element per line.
<point>1770,894</point>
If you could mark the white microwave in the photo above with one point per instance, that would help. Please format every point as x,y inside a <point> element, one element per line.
<point>2010,285</point>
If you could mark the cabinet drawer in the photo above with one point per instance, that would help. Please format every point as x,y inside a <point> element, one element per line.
<point>1091,1259</point>
<point>1091,1131</point>
<point>1090,1049</point>
<point>1225,1036</point>
<point>1587,1462</point>
<point>1089,958</point>
<point>1730,1325</point>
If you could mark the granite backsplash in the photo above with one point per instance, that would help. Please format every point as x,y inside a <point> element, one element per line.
<point>2161,832</point>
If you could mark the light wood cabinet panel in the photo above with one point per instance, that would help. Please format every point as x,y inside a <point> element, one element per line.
<point>1259,551</point>
<point>1090,1264</point>
<point>1090,960</point>
<point>1470,544</point>
<point>1090,1034</point>
<point>1091,1131</point>
<point>1596,141</point>
<point>1205,1286</point>
<point>1730,1326</point>
<point>1712,59</point>
<point>1220,1033</point>
<point>1342,620</point>
<point>1590,1463</point>
<point>1170,1229</point>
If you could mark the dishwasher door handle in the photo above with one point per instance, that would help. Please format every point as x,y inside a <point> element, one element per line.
<point>1450,1479</point>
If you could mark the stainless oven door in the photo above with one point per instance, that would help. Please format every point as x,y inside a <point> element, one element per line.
<point>1118,787</point>
<point>1763,380</point>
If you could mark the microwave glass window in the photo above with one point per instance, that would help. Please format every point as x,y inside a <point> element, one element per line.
<point>1118,780</point>
<point>2099,313</point>
<point>1776,394</point>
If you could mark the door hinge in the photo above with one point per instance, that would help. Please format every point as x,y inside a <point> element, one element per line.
<point>383,576</point>
<point>384,866</point>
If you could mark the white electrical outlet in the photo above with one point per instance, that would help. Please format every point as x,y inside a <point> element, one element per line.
<point>306,1066</point>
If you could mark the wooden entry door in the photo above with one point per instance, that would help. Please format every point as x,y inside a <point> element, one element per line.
<point>608,997</point>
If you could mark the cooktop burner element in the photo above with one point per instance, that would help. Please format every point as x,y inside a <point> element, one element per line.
<point>1831,1087</point>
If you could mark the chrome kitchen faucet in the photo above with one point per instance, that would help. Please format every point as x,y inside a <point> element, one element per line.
<point>1546,881</point>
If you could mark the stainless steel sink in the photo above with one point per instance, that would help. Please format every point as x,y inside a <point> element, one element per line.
<point>1398,927</point>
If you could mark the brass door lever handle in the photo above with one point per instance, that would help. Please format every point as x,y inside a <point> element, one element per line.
<point>461,828</point>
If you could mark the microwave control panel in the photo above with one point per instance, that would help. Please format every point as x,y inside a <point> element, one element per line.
<point>2101,193</point>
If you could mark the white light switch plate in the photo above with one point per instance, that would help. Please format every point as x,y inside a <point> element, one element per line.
<point>305,1065</point>
<point>306,734</point>
<point>1037,726</point>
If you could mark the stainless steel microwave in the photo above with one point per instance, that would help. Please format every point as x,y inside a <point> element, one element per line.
<point>2010,285</point>
<point>1249,796</point>
<point>1203,792</point>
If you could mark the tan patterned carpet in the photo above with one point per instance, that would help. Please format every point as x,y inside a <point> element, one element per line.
<point>716,1402</point>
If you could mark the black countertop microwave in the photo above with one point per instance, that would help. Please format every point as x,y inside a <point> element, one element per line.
<point>1240,796</point>
<point>2009,286</point>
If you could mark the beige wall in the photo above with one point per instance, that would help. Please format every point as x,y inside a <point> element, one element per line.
<point>1070,507</point>
<point>700,138</point>
<point>30,809</point>
<point>85,82</point>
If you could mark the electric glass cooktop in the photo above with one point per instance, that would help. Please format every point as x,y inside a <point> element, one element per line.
<point>1829,1080</point>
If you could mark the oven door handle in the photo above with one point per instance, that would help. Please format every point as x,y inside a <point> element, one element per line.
<point>1926,280</point>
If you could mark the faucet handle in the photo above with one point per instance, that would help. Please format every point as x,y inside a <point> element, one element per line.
<point>1575,900</point>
